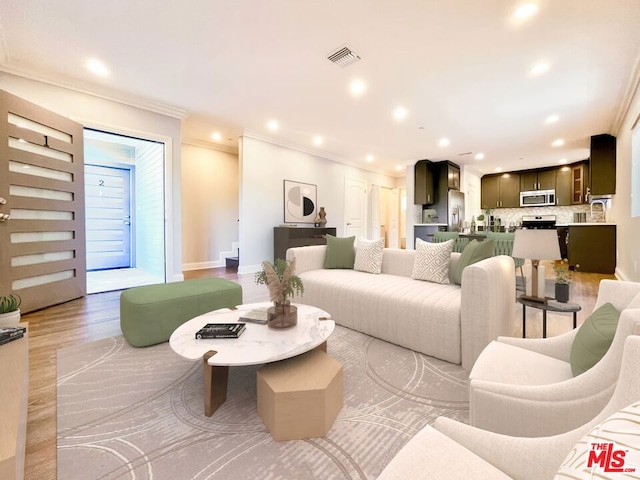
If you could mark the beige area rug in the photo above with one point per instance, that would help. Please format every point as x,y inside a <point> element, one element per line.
<point>137,413</point>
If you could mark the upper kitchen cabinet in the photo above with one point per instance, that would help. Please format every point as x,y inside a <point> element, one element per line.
<point>423,183</point>
<point>571,184</point>
<point>603,165</point>
<point>564,194</point>
<point>543,179</point>
<point>453,176</point>
<point>501,191</point>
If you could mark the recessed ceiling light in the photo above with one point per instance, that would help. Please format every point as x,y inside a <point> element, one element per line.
<point>525,10</point>
<point>499,169</point>
<point>557,143</point>
<point>540,68</point>
<point>400,113</point>
<point>369,158</point>
<point>216,136</point>
<point>96,67</point>
<point>273,125</point>
<point>358,87</point>
<point>552,119</point>
<point>479,156</point>
<point>562,161</point>
<point>317,140</point>
<point>444,142</point>
<point>398,168</point>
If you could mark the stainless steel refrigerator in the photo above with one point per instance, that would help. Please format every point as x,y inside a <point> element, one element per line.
<point>455,210</point>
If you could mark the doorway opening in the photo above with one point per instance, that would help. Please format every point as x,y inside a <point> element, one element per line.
<point>124,207</point>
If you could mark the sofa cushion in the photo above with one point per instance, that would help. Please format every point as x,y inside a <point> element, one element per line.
<point>432,261</point>
<point>369,256</point>
<point>340,252</point>
<point>472,253</point>
<point>594,338</point>
<point>635,302</point>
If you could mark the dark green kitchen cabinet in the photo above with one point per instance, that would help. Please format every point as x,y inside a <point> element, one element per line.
<point>603,165</point>
<point>424,193</point>
<point>592,248</point>
<point>500,190</point>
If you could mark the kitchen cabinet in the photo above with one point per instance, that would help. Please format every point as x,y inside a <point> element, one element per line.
<point>564,192</point>
<point>500,191</point>
<point>424,193</point>
<point>542,179</point>
<point>602,165</point>
<point>592,248</point>
<point>579,184</point>
<point>289,237</point>
<point>453,176</point>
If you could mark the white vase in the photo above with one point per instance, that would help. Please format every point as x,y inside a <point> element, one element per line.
<point>10,318</point>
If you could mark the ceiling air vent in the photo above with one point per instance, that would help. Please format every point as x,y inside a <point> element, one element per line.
<point>344,57</point>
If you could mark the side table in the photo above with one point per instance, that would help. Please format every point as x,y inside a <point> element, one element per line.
<point>546,307</point>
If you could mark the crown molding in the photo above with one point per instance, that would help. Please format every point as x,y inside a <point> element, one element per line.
<point>321,154</point>
<point>209,145</point>
<point>98,91</point>
<point>626,98</point>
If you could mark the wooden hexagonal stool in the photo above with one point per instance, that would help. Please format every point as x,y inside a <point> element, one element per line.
<point>300,397</point>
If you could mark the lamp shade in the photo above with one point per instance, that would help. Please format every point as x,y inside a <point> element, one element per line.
<point>536,244</point>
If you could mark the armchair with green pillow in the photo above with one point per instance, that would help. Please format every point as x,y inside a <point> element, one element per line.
<point>541,387</point>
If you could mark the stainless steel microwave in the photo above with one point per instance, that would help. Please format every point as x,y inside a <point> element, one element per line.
<point>538,198</point>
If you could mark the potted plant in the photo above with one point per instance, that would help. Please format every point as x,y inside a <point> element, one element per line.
<point>563,279</point>
<point>10,309</point>
<point>282,283</point>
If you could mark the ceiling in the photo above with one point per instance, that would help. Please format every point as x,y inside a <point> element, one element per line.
<point>461,69</point>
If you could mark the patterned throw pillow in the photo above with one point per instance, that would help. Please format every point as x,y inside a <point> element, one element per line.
<point>432,261</point>
<point>608,450</point>
<point>369,256</point>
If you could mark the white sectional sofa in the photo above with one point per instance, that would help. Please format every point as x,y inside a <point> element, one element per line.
<point>447,321</point>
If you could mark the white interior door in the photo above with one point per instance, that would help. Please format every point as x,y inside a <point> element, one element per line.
<point>355,199</point>
<point>394,218</point>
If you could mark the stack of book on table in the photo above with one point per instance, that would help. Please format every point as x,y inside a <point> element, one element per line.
<point>220,330</point>
<point>8,334</point>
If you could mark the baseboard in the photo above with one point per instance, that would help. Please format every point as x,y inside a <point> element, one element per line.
<point>202,265</point>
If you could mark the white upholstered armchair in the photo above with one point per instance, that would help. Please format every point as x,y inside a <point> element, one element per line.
<point>525,387</point>
<point>450,450</point>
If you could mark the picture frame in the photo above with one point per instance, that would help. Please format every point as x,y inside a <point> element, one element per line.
<point>300,202</point>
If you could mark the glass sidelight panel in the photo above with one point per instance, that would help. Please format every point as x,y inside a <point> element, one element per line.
<point>38,127</point>
<point>37,258</point>
<point>42,279</point>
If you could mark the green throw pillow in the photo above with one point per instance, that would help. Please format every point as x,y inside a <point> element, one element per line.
<point>472,253</point>
<point>593,339</point>
<point>340,252</point>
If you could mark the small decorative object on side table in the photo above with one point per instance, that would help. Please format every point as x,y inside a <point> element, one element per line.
<point>563,279</point>
<point>282,282</point>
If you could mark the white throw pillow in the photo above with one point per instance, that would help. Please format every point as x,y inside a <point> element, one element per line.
<point>369,256</point>
<point>432,261</point>
<point>612,447</point>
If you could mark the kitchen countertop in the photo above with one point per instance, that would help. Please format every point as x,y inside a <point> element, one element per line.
<point>585,224</point>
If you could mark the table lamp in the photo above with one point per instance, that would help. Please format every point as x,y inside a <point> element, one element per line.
<point>536,245</point>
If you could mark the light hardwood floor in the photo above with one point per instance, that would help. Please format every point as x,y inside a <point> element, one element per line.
<point>97,316</point>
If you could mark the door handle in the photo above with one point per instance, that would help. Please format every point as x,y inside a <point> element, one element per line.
<point>348,224</point>
<point>2,201</point>
<point>126,222</point>
<point>4,217</point>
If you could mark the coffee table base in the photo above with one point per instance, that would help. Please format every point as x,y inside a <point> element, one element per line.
<point>216,379</point>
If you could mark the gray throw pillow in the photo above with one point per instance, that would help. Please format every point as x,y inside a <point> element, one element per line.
<point>593,339</point>
<point>472,253</point>
<point>340,252</point>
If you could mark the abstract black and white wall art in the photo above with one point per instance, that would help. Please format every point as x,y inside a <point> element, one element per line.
<point>299,202</point>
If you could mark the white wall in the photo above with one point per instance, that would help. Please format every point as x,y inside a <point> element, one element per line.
<point>263,168</point>
<point>110,115</point>
<point>210,206</point>
<point>628,228</point>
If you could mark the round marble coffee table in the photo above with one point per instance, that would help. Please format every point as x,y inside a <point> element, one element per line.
<point>258,344</point>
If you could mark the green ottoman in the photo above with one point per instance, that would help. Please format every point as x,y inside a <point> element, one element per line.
<point>150,314</point>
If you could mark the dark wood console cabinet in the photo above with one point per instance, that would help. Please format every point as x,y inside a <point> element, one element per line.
<point>288,237</point>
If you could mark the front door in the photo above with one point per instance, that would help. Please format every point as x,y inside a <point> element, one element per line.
<point>42,243</point>
<point>108,217</point>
